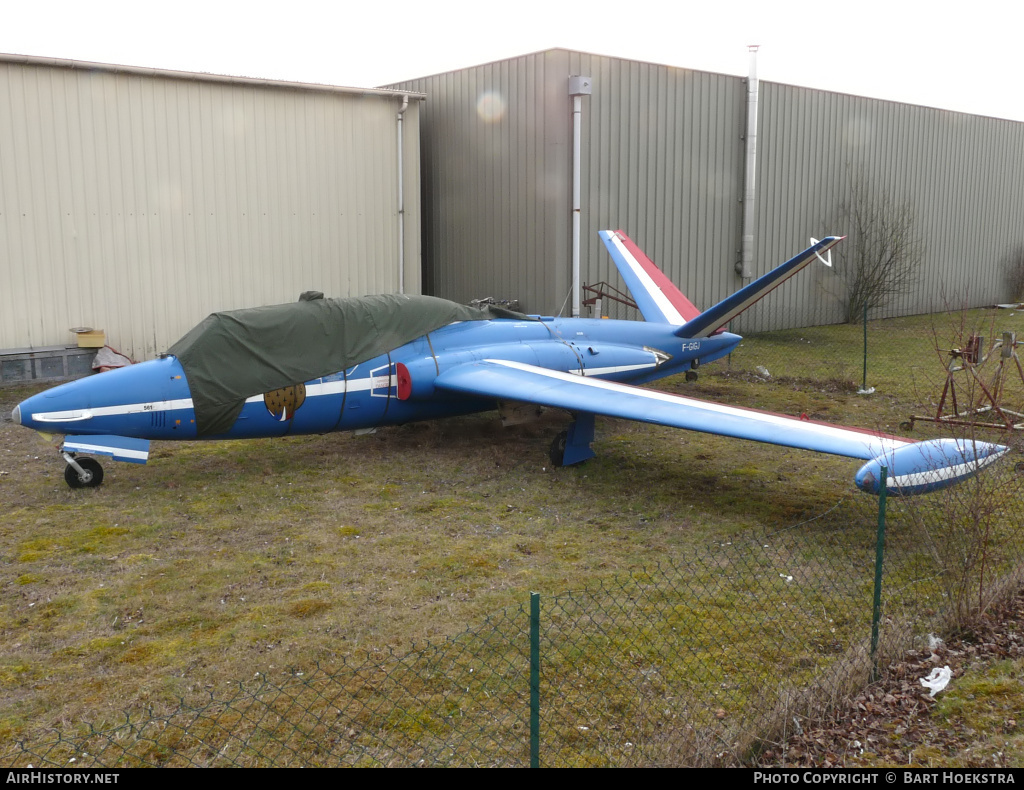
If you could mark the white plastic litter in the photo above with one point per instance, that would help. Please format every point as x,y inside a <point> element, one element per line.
<point>762,371</point>
<point>937,680</point>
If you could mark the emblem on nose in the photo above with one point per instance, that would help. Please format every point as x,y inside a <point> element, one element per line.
<point>283,403</point>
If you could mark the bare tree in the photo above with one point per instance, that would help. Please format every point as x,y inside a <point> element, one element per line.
<point>882,256</point>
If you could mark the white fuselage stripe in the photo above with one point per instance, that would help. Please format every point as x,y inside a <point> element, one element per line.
<point>107,411</point>
<point>618,369</point>
<point>312,390</point>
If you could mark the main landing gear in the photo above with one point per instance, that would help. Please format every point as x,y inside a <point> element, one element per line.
<point>82,472</point>
<point>573,446</point>
<point>557,451</point>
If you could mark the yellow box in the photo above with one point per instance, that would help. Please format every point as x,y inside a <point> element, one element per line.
<point>94,338</point>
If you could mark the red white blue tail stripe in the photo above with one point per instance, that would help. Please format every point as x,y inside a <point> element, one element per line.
<point>657,297</point>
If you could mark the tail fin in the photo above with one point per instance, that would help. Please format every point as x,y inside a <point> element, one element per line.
<point>722,313</point>
<point>660,302</point>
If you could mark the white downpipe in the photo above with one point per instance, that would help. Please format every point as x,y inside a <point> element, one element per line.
<point>749,193</point>
<point>401,200</point>
<point>577,113</point>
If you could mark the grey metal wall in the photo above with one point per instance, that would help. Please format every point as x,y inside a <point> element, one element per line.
<point>963,175</point>
<point>663,159</point>
<point>496,159</point>
<point>138,201</point>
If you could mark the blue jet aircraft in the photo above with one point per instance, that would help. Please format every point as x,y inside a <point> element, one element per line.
<point>252,373</point>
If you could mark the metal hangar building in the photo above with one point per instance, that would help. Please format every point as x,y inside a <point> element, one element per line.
<point>664,154</point>
<point>138,201</point>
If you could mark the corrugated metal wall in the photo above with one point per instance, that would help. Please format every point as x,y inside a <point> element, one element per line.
<point>963,176</point>
<point>496,144</point>
<point>140,203</point>
<point>663,159</point>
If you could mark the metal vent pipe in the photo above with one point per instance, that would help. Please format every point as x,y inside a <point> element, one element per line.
<point>745,267</point>
<point>401,198</point>
<point>578,88</point>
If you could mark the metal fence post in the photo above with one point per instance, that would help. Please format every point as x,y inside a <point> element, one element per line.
<point>535,680</point>
<point>864,385</point>
<point>876,615</point>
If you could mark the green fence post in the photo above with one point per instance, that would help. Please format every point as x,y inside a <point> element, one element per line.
<point>876,615</point>
<point>535,680</point>
<point>864,386</point>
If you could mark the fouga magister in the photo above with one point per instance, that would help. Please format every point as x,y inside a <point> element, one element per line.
<point>321,365</point>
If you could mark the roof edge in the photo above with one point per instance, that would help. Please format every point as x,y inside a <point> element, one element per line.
<point>726,75</point>
<point>142,71</point>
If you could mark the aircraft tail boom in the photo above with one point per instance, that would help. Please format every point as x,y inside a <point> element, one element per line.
<point>722,313</point>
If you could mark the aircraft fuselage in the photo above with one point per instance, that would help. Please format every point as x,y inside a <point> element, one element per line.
<point>152,400</point>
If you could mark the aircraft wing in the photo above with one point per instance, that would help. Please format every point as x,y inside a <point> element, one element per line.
<point>922,465</point>
<point>517,381</point>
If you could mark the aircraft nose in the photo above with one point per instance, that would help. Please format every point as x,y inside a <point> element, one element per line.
<point>16,415</point>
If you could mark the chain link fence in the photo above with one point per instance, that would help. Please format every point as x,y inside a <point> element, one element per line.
<point>691,663</point>
<point>912,357</point>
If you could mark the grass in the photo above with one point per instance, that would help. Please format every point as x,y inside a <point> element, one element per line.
<point>220,562</point>
<point>988,702</point>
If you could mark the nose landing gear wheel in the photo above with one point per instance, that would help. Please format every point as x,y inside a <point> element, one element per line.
<point>92,474</point>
